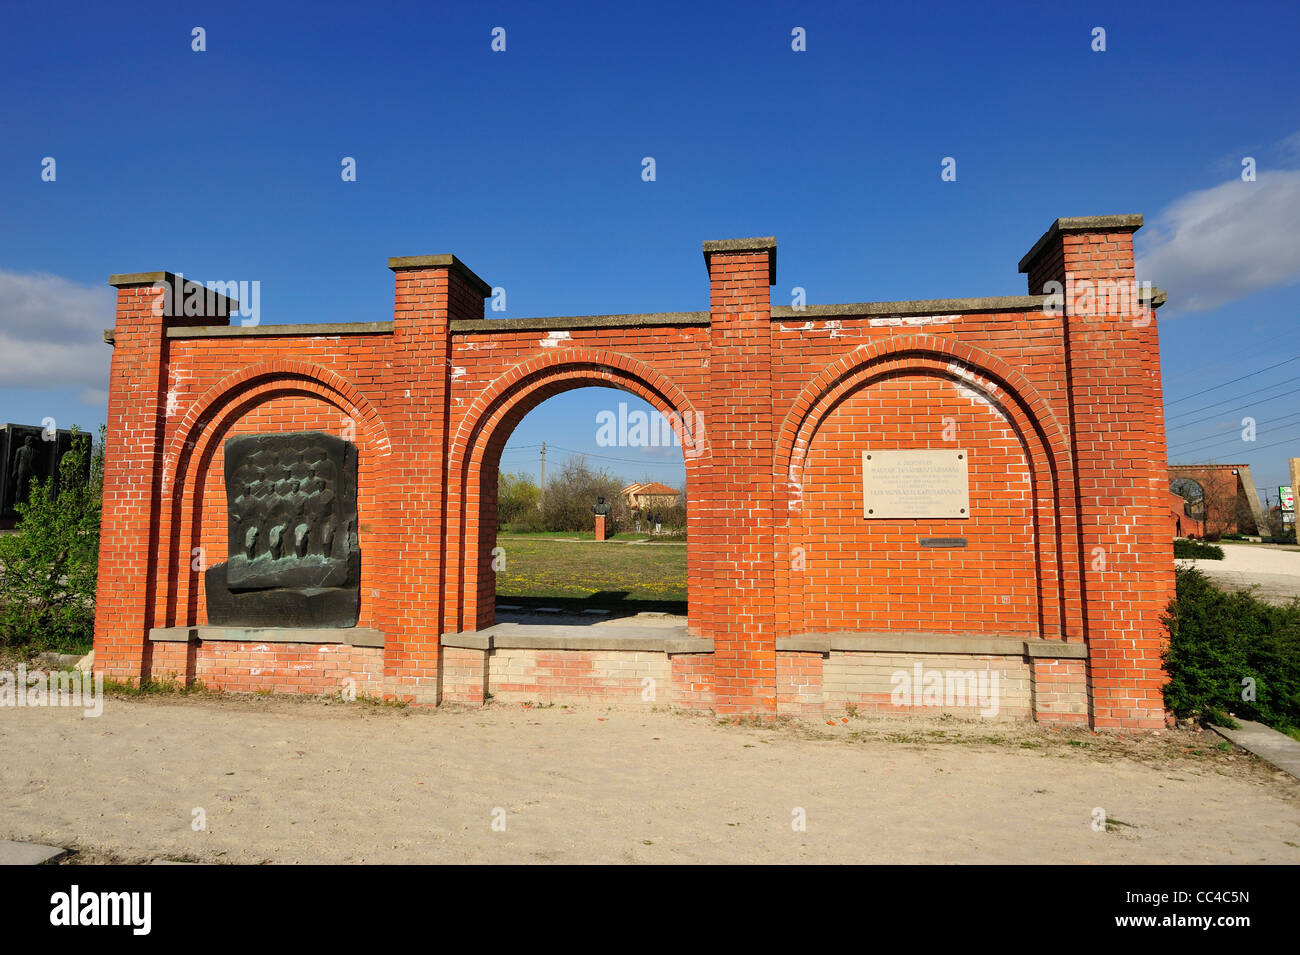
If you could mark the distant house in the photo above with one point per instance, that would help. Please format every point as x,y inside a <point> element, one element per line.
<point>653,496</point>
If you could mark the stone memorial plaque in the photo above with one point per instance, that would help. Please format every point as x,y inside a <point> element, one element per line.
<point>923,483</point>
<point>294,560</point>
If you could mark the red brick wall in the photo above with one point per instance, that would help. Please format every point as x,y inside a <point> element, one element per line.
<point>1068,538</point>
<point>871,574</point>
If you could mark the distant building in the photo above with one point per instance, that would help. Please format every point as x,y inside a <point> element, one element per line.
<point>653,496</point>
<point>1219,499</point>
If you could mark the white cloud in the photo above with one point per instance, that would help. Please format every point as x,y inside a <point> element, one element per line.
<point>1217,245</point>
<point>52,333</point>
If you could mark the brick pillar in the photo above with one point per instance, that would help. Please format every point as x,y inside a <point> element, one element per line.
<point>129,559</point>
<point>600,527</point>
<point>1121,473</point>
<point>431,292</point>
<point>737,495</point>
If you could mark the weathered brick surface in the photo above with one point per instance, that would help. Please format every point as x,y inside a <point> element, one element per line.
<point>579,676</point>
<point>970,685</point>
<point>1060,415</point>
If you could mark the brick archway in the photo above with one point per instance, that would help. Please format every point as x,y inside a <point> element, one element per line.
<point>198,440</point>
<point>436,392</point>
<point>1040,435</point>
<point>487,424</point>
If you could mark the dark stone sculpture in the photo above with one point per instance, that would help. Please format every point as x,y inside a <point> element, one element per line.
<point>25,464</point>
<point>27,454</point>
<point>600,507</point>
<point>291,502</point>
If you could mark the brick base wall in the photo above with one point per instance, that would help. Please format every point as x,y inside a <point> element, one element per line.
<point>318,669</point>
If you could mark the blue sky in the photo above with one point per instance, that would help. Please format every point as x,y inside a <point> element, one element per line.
<point>526,164</point>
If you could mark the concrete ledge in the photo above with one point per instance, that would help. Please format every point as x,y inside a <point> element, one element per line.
<point>27,853</point>
<point>930,306</point>
<point>446,260</point>
<point>959,643</point>
<point>513,636</point>
<point>565,322</point>
<point>1118,223</point>
<point>470,640</point>
<point>352,636</point>
<point>1268,744</point>
<point>1055,650</point>
<point>240,331</point>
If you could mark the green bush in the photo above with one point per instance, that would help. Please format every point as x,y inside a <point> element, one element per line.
<point>1217,641</point>
<point>51,561</point>
<point>1195,550</point>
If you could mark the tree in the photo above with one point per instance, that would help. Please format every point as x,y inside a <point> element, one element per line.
<point>517,499</point>
<point>51,562</point>
<point>571,494</point>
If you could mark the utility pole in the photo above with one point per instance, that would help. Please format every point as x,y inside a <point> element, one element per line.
<point>542,490</point>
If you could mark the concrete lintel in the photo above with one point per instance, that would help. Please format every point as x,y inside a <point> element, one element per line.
<point>765,243</point>
<point>351,636</point>
<point>447,261</point>
<point>1117,223</point>
<point>477,326</point>
<point>933,306</point>
<point>239,331</point>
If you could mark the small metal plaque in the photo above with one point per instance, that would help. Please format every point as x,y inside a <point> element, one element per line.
<point>920,483</point>
<point>943,542</point>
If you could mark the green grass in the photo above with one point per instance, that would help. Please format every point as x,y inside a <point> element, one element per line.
<point>570,535</point>
<point>568,572</point>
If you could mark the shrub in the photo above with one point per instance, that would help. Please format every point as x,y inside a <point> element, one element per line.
<point>51,561</point>
<point>1195,550</point>
<point>1217,640</point>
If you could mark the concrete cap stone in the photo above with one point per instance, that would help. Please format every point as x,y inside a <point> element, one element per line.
<point>446,260</point>
<point>225,306</point>
<point>1130,222</point>
<point>762,244</point>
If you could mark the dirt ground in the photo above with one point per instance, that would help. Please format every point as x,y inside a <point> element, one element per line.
<point>286,780</point>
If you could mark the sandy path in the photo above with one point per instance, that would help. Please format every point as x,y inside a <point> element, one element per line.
<point>289,781</point>
<point>1273,570</point>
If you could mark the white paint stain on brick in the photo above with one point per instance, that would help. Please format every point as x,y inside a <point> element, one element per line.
<point>908,321</point>
<point>457,371</point>
<point>961,371</point>
<point>554,338</point>
<point>835,327</point>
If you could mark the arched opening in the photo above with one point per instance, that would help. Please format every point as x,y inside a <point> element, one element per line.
<point>1193,493</point>
<point>625,410</point>
<point>589,450</point>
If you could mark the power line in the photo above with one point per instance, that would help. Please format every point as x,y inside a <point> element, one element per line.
<point>606,457</point>
<point>1213,440</point>
<point>1232,382</point>
<point>1188,424</point>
